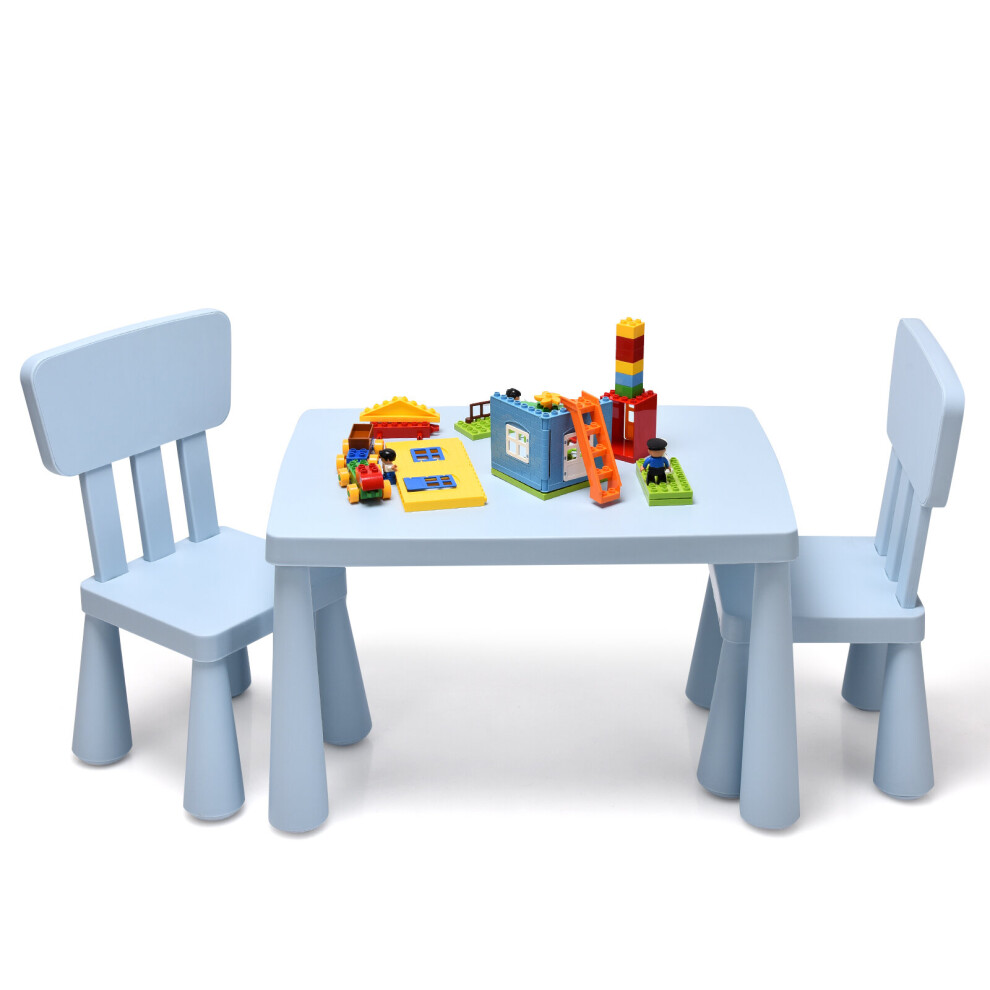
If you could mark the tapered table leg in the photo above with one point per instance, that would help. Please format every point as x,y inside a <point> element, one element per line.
<point>297,787</point>
<point>768,794</point>
<point>346,718</point>
<point>707,650</point>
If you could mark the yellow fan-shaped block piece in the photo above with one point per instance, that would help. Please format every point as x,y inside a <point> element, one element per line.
<point>399,409</point>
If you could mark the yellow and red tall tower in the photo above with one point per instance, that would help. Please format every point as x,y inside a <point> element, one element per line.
<point>634,409</point>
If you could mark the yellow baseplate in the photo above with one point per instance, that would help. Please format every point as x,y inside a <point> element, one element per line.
<point>455,463</point>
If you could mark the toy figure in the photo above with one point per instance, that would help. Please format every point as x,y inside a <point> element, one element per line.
<point>386,458</point>
<point>656,465</point>
<point>513,393</point>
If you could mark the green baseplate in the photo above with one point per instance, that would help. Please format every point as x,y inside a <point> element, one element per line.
<point>541,495</point>
<point>674,491</point>
<point>480,429</point>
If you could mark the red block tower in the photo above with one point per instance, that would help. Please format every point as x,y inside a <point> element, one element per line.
<point>634,409</point>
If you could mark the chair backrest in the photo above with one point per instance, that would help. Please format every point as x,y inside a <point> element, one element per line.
<point>924,419</point>
<point>124,394</point>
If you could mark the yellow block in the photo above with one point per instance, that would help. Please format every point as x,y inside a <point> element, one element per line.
<point>455,463</point>
<point>399,409</point>
<point>630,328</point>
<point>629,367</point>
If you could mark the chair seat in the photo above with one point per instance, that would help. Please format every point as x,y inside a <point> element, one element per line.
<point>206,600</point>
<point>839,594</point>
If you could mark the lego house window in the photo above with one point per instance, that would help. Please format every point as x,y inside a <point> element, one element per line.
<point>573,461</point>
<point>517,443</point>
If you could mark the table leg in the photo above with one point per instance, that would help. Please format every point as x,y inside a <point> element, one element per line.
<point>707,650</point>
<point>346,718</point>
<point>768,796</point>
<point>297,786</point>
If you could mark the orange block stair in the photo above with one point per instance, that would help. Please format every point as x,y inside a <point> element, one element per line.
<point>605,482</point>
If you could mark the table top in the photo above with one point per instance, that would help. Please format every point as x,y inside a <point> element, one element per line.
<point>741,513</point>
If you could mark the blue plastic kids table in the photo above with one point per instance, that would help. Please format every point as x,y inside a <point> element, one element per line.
<point>317,692</point>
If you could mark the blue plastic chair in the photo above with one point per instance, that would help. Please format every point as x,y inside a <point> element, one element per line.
<point>854,590</point>
<point>125,394</point>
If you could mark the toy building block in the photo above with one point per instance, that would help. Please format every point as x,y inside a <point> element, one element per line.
<point>476,425</point>
<point>440,476</point>
<point>634,408</point>
<point>363,481</point>
<point>627,349</point>
<point>674,491</point>
<point>361,438</point>
<point>630,328</point>
<point>634,421</point>
<point>399,409</point>
<point>480,429</point>
<point>416,430</point>
<point>630,336</point>
<point>484,411</point>
<point>596,450</point>
<point>401,417</point>
<point>537,449</point>
<point>540,495</point>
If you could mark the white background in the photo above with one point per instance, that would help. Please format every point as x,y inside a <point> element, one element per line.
<point>441,201</point>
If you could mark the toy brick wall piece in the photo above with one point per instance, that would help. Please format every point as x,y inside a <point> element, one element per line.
<point>675,491</point>
<point>634,421</point>
<point>416,481</point>
<point>527,462</point>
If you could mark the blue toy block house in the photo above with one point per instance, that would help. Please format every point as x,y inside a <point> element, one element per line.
<point>536,448</point>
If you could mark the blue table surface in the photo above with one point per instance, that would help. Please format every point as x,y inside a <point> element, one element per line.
<point>741,513</point>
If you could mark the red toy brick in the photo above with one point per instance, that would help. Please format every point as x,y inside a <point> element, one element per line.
<point>629,350</point>
<point>368,477</point>
<point>414,431</point>
<point>629,438</point>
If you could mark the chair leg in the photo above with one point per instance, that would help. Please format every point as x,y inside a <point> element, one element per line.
<point>903,766</point>
<point>102,732</point>
<point>707,649</point>
<point>214,786</point>
<point>862,685</point>
<point>239,672</point>
<point>346,718</point>
<point>720,766</point>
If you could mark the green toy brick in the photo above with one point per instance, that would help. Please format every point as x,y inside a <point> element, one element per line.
<point>629,393</point>
<point>480,429</point>
<point>540,495</point>
<point>674,491</point>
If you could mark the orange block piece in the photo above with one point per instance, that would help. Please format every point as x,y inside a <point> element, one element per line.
<point>605,483</point>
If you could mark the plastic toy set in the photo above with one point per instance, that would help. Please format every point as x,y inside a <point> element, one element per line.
<point>547,446</point>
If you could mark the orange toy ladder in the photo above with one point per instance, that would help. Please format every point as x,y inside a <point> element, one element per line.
<point>605,482</point>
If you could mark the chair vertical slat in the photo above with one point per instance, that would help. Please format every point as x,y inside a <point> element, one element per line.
<point>151,495</point>
<point>887,505</point>
<point>106,539</point>
<point>898,527</point>
<point>914,551</point>
<point>197,487</point>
